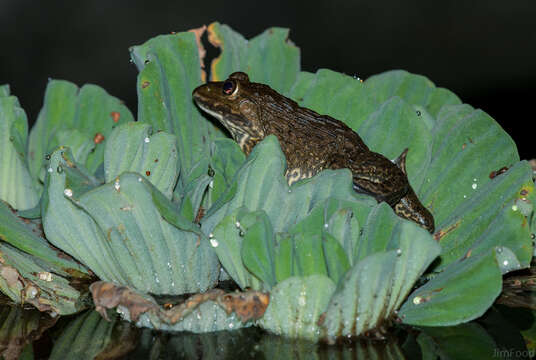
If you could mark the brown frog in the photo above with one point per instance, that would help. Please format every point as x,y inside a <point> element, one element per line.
<point>311,142</point>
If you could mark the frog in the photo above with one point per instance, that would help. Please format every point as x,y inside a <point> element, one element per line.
<point>311,142</point>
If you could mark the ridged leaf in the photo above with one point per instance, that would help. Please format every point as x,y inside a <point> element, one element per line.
<point>169,71</point>
<point>16,233</point>
<point>252,56</point>
<point>133,147</point>
<point>296,305</point>
<point>260,184</point>
<point>258,246</point>
<point>90,110</point>
<point>376,286</point>
<point>16,184</point>
<point>84,337</point>
<point>119,232</point>
<point>153,255</point>
<point>462,292</point>
<point>28,279</point>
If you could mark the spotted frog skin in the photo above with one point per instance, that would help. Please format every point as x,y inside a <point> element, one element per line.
<point>311,142</point>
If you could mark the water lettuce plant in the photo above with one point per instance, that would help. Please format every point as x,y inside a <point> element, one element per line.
<point>169,205</point>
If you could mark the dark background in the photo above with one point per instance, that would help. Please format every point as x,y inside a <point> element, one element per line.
<point>484,51</point>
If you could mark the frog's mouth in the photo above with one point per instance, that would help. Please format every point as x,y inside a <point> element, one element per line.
<point>209,111</point>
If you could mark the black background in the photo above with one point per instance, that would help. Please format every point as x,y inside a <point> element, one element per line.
<point>484,51</point>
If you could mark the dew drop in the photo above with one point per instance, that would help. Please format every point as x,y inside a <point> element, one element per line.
<point>465,196</point>
<point>474,186</point>
<point>147,140</point>
<point>31,292</point>
<point>211,184</point>
<point>241,233</point>
<point>47,157</point>
<point>117,185</point>
<point>140,179</point>
<point>214,242</point>
<point>68,192</point>
<point>398,252</point>
<point>474,179</point>
<point>417,300</point>
<point>301,299</point>
<point>289,190</point>
<point>156,279</point>
<point>418,113</point>
<point>198,316</point>
<point>173,284</point>
<point>505,262</point>
<point>237,224</point>
<point>514,207</point>
<point>210,236</point>
<point>326,225</point>
<point>50,170</point>
<point>231,325</point>
<point>499,249</point>
<point>59,169</point>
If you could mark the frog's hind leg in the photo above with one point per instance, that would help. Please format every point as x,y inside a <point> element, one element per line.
<point>409,207</point>
<point>374,189</point>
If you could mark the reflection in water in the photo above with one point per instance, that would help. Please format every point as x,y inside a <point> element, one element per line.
<point>89,336</point>
<point>20,328</point>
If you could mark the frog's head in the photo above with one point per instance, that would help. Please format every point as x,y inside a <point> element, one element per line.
<point>235,103</point>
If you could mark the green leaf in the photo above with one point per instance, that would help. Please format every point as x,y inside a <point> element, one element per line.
<point>378,232</point>
<point>226,158</point>
<point>133,148</point>
<point>28,279</point>
<point>80,236</point>
<point>414,89</point>
<point>260,184</point>
<point>462,292</point>
<point>345,228</point>
<point>254,56</point>
<point>375,287</point>
<point>16,233</point>
<point>79,143</point>
<point>309,255</point>
<point>296,305</point>
<point>154,256</point>
<point>258,248</point>
<point>337,262</point>
<point>227,244</point>
<point>169,71</point>
<point>89,110</point>
<point>396,117</point>
<point>119,233</point>
<point>16,184</point>
<point>491,217</point>
<point>84,337</point>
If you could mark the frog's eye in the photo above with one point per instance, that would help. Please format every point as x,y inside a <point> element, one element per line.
<point>229,87</point>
